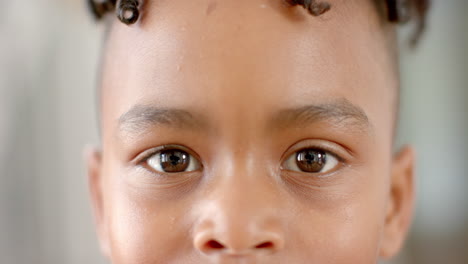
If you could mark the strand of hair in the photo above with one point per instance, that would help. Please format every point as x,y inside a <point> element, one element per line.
<point>398,11</point>
<point>128,11</point>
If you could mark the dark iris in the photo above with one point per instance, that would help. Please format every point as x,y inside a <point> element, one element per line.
<point>174,160</point>
<point>311,160</point>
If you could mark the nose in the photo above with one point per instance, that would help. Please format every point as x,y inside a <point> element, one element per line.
<point>240,219</point>
<point>238,242</point>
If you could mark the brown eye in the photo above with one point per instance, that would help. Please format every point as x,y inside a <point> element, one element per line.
<point>311,161</point>
<point>172,161</point>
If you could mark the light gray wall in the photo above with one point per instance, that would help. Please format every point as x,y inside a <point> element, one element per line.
<point>48,53</point>
<point>434,119</point>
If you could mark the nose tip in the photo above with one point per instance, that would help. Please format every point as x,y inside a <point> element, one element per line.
<point>238,246</point>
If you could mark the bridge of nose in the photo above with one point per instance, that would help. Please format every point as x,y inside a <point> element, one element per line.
<point>240,216</point>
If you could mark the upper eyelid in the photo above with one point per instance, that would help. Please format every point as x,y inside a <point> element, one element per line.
<point>338,157</point>
<point>293,150</point>
<point>342,163</point>
<point>145,155</point>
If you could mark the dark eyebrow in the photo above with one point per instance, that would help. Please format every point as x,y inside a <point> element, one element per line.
<point>141,117</point>
<point>339,113</point>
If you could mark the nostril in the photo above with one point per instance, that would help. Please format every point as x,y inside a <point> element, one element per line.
<point>213,244</point>
<point>265,245</point>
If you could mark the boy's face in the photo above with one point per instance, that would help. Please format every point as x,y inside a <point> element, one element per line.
<point>250,132</point>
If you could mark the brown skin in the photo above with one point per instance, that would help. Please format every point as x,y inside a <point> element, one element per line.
<point>232,68</point>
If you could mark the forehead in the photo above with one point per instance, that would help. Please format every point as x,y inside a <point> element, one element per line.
<point>256,55</point>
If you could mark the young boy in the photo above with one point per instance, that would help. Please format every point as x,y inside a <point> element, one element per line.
<point>251,131</point>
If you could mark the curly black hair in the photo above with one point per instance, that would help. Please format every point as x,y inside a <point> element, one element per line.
<point>397,11</point>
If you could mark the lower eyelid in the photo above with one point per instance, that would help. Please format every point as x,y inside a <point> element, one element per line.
<point>194,164</point>
<point>297,169</point>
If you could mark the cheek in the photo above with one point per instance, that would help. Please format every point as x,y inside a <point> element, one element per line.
<point>351,234</point>
<point>347,229</point>
<point>145,230</point>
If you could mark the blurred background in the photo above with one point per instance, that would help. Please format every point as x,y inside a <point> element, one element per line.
<point>48,62</point>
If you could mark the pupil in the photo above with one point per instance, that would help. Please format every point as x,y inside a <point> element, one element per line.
<point>311,160</point>
<point>174,160</point>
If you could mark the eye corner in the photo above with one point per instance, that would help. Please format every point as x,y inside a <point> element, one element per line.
<point>144,159</point>
<point>318,163</point>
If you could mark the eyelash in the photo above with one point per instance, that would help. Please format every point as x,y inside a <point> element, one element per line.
<point>143,157</point>
<point>318,147</point>
<point>147,154</point>
<point>315,146</point>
